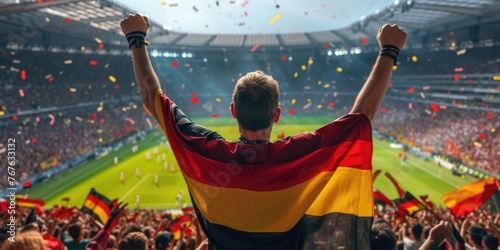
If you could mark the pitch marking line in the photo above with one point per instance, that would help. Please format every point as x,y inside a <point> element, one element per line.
<point>134,187</point>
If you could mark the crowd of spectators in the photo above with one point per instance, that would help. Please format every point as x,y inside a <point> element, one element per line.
<point>140,229</point>
<point>465,134</point>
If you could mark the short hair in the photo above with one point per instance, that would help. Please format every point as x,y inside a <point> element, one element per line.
<point>416,229</point>
<point>111,243</point>
<point>382,237</point>
<point>134,241</point>
<point>74,230</point>
<point>490,241</point>
<point>477,232</point>
<point>131,228</point>
<point>29,240</point>
<point>255,99</point>
<point>162,240</point>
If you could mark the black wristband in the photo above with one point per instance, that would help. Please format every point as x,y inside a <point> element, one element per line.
<point>136,33</point>
<point>391,47</point>
<point>385,53</point>
<point>136,39</point>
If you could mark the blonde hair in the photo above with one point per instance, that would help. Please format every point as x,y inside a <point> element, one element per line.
<point>29,240</point>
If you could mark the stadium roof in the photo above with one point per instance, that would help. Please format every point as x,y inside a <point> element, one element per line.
<point>58,24</point>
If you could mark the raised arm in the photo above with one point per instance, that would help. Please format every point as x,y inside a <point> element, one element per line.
<point>371,95</point>
<point>135,27</point>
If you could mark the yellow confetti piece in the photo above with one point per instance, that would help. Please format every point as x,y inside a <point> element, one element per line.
<point>132,84</point>
<point>68,120</point>
<point>422,95</point>
<point>82,48</point>
<point>97,40</point>
<point>394,68</point>
<point>101,103</point>
<point>163,3</point>
<point>100,139</point>
<point>319,106</point>
<point>279,103</point>
<point>2,113</point>
<point>52,116</point>
<point>326,86</point>
<point>134,106</point>
<point>4,108</point>
<point>99,109</point>
<point>414,58</point>
<point>303,67</point>
<point>319,82</point>
<point>453,44</point>
<point>340,69</point>
<point>68,62</point>
<point>275,18</point>
<point>124,109</point>
<point>309,100</point>
<point>496,78</point>
<point>493,130</point>
<point>112,79</point>
<point>218,99</point>
<point>296,74</point>
<point>491,97</point>
<point>477,144</point>
<point>310,61</point>
<point>72,90</point>
<point>293,101</point>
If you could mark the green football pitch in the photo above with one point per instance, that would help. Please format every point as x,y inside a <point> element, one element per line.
<point>417,176</point>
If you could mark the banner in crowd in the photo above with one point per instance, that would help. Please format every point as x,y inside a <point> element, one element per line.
<point>98,206</point>
<point>471,196</point>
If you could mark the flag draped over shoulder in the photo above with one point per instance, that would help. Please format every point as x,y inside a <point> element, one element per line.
<point>471,196</point>
<point>408,204</point>
<point>312,190</point>
<point>98,206</point>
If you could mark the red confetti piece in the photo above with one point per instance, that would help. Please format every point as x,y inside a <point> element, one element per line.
<point>68,20</point>
<point>175,64</point>
<point>325,46</point>
<point>411,90</point>
<point>410,105</point>
<point>15,118</point>
<point>21,92</point>
<point>51,79</point>
<point>117,86</point>
<point>306,13</point>
<point>245,13</point>
<point>101,120</point>
<point>383,110</point>
<point>93,62</point>
<point>283,58</point>
<point>434,107</point>
<point>364,40</point>
<point>23,75</point>
<point>101,46</point>
<point>490,115</point>
<point>481,136</point>
<point>331,104</point>
<point>194,100</point>
<point>33,141</point>
<point>291,111</point>
<point>215,115</point>
<point>255,47</point>
<point>457,77</point>
<point>391,85</point>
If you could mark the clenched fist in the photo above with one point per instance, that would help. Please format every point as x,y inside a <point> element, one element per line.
<point>135,22</point>
<point>391,35</point>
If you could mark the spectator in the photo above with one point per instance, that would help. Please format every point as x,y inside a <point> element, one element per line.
<point>134,241</point>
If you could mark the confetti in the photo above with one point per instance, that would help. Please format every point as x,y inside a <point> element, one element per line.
<point>296,74</point>
<point>15,61</point>
<point>218,99</point>
<point>303,67</point>
<point>307,105</point>
<point>434,107</point>
<point>255,47</point>
<point>101,46</point>
<point>410,105</point>
<point>496,78</point>
<point>319,106</point>
<point>411,90</point>
<point>425,87</point>
<point>67,20</point>
<point>23,75</point>
<point>175,64</point>
<point>112,78</point>
<point>97,40</point>
<point>339,69</point>
<point>457,77</point>
<point>245,13</point>
<point>163,3</point>
<point>78,118</point>
<point>310,61</point>
<point>194,99</point>
<point>241,24</point>
<point>326,86</point>
<point>244,3</point>
<point>68,62</point>
<point>51,79</point>
<point>283,58</point>
<point>331,104</point>
<point>21,92</point>
<point>325,46</point>
<point>477,144</point>
<point>293,101</point>
<point>215,115</point>
<point>195,9</point>
<point>275,18</point>
<point>291,111</point>
<point>383,110</point>
<point>93,62</point>
<point>459,69</point>
<point>334,94</point>
<point>306,13</point>
<point>422,95</point>
<point>364,40</point>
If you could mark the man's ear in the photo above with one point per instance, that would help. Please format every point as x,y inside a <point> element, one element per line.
<point>233,111</point>
<point>277,115</point>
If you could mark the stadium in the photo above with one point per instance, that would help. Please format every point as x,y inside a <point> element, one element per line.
<point>76,138</point>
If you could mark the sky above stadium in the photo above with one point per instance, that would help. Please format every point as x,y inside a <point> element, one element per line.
<point>255,16</point>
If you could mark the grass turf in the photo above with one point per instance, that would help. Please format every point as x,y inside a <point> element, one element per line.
<point>417,176</point>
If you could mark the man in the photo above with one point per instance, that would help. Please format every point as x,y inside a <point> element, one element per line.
<point>415,240</point>
<point>254,194</point>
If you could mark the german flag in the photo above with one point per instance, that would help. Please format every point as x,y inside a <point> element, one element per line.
<point>98,206</point>
<point>310,191</point>
<point>469,197</point>
<point>380,198</point>
<point>21,202</point>
<point>408,204</point>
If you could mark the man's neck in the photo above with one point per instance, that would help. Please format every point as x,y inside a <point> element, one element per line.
<point>262,135</point>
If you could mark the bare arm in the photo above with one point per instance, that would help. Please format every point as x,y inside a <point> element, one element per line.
<point>371,95</point>
<point>144,73</point>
